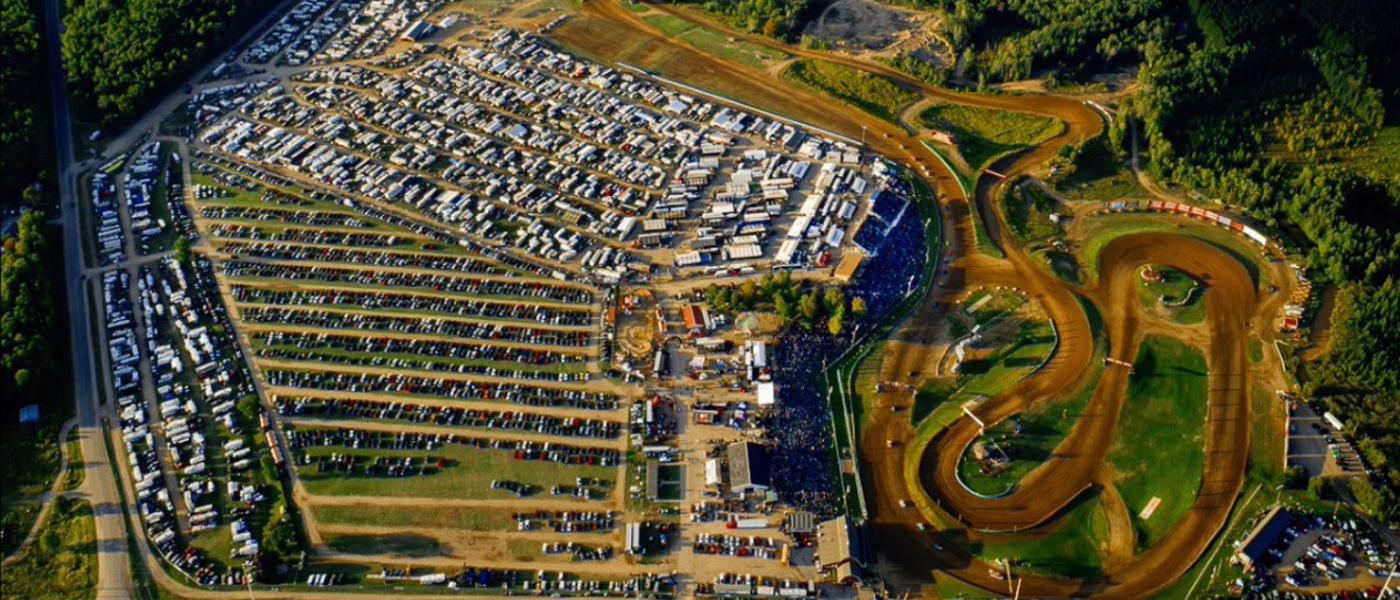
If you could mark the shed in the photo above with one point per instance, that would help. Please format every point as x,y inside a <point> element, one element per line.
<point>838,553</point>
<point>766,394</point>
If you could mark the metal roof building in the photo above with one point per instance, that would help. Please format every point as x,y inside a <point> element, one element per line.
<point>749,468</point>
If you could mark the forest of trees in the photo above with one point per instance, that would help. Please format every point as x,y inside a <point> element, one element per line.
<point>123,55</point>
<point>781,19</point>
<point>24,124</point>
<point>29,368</point>
<point>1003,40</point>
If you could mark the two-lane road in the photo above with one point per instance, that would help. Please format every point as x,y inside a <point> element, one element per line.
<point>113,566</point>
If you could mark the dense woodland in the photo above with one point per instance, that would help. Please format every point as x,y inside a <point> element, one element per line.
<point>24,124</point>
<point>122,56</point>
<point>29,358</point>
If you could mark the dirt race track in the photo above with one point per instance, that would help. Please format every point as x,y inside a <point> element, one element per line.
<point>1078,464</point>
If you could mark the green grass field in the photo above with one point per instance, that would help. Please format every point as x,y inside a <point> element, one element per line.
<point>1072,547</point>
<point>443,517</point>
<point>32,462</point>
<point>870,93</point>
<point>669,25</point>
<point>62,564</point>
<point>712,42</point>
<point>997,304</point>
<point>1042,429</point>
<point>934,393</point>
<point>741,52</point>
<point>410,545</point>
<point>1008,364</point>
<point>1158,449</point>
<point>75,473</point>
<point>1267,416</point>
<point>982,134</point>
<point>469,478</point>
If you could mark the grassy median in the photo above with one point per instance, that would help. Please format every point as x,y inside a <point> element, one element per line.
<point>467,476</point>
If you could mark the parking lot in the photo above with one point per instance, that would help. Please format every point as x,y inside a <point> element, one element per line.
<point>403,282</point>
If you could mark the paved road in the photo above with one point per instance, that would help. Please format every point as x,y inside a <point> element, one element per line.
<point>113,568</point>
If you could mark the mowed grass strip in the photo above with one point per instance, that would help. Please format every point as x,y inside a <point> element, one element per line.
<point>441,517</point>
<point>982,134</point>
<point>1159,447</point>
<point>870,93</point>
<point>1267,417</point>
<point>468,476</point>
<point>744,53</point>
<point>668,24</point>
<point>404,544</point>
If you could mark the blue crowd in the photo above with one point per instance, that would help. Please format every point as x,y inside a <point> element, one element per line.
<point>804,471</point>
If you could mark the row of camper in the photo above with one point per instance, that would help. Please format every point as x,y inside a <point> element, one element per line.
<point>481,258</point>
<point>110,235</point>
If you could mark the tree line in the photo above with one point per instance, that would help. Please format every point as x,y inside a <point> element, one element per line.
<point>123,55</point>
<point>794,302</point>
<point>25,149</point>
<point>29,369</point>
<point>780,19</point>
<point>1004,40</point>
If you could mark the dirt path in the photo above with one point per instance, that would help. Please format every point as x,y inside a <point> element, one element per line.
<point>46,499</point>
<point>1119,550</point>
